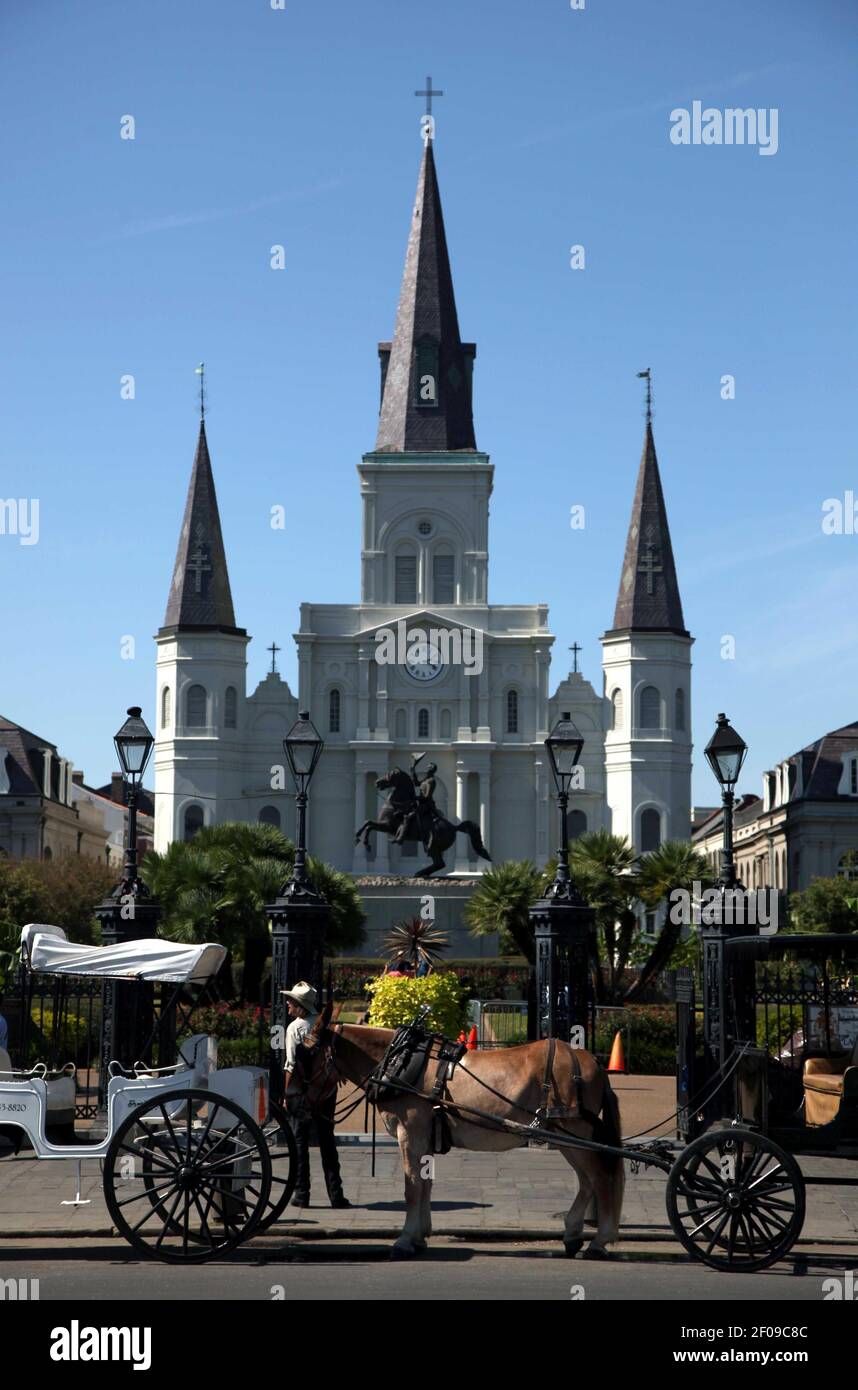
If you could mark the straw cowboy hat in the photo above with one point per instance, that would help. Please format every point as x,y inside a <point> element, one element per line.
<point>304,996</point>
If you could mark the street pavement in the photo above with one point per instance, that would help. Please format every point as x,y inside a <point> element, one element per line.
<point>96,1270</point>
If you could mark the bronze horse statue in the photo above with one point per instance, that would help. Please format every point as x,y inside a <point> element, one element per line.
<point>490,1102</point>
<point>409,816</point>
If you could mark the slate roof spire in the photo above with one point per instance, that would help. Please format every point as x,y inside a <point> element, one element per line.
<point>648,598</point>
<point>200,595</point>
<point>426,370</point>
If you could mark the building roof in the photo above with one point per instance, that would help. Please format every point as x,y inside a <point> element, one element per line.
<point>200,595</point>
<point>25,763</point>
<point>426,342</point>
<point>821,763</point>
<point>648,598</point>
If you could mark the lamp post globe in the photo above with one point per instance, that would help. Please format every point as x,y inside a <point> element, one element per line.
<point>133,743</point>
<point>303,748</point>
<point>725,753</point>
<point>563,746</point>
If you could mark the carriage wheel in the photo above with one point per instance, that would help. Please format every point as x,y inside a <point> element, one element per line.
<point>283,1153</point>
<point>735,1200</point>
<point>187,1176</point>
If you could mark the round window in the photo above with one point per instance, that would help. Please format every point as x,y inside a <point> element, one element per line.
<point>425,528</point>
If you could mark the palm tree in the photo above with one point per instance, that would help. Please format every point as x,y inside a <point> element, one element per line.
<point>604,867</point>
<point>216,887</point>
<point>674,865</point>
<point>501,902</point>
<point>418,941</point>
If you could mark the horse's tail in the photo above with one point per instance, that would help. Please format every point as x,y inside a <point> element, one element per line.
<point>611,1130</point>
<point>472,830</point>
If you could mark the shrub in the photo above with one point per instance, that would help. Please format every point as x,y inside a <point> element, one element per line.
<point>481,979</point>
<point>396,999</point>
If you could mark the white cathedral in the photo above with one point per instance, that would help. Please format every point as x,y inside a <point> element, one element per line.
<point>425,492</point>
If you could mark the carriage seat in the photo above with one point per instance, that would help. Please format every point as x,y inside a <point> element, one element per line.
<point>826,1081</point>
<point>60,1089</point>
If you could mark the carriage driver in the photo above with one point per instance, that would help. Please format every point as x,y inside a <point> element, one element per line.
<point>303,1008</point>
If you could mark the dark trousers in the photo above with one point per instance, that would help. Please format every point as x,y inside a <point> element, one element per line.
<point>302,1125</point>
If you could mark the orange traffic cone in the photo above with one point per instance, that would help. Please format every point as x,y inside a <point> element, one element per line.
<point>461,1037</point>
<point>472,1039</point>
<point>618,1060</point>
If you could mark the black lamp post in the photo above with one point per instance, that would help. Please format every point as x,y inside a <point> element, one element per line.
<point>563,924</point>
<point>129,913</point>
<point>726,752</point>
<point>300,914</point>
<point>564,745</point>
<point>728,995</point>
<point>134,744</point>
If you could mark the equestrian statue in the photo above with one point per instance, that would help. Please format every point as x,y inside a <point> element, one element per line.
<point>410,813</point>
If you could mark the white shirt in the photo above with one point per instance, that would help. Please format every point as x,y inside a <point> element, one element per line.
<point>295,1033</point>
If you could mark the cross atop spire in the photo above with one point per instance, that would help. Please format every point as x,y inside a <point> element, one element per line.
<point>648,599</point>
<point>200,595</point>
<point>201,373</point>
<point>426,370</point>
<point>647,374</point>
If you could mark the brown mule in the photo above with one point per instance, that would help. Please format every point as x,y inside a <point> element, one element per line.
<point>580,1090</point>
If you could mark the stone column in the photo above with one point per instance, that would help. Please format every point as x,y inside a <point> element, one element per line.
<point>360,863</point>
<point>46,781</point>
<point>462,863</point>
<point>485,808</point>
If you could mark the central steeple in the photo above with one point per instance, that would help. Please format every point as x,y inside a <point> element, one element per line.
<point>426,370</point>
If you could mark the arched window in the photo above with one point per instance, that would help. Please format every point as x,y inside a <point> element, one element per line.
<point>423,723</point>
<point>334,703</point>
<point>576,824</point>
<point>401,724</point>
<point>650,708</point>
<point>617,709</point>
<point>47,852</point>
<point>512,711</point>
<point>196,707</point>
<point>269,815</point>
<point>166,710</point>
<point>679,710</point>
<point>230,708</point>
<point>650,830</point>
<point>848,866</point>
<point>193,821</point>
<point>405,577</point>
<point>446,724</point>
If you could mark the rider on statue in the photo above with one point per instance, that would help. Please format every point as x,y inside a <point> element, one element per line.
<point>420,819</point>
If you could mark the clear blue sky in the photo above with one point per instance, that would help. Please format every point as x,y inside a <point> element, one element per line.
<point>256,127</point>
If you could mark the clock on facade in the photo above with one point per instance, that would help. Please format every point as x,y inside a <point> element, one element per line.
<point>423,661</point>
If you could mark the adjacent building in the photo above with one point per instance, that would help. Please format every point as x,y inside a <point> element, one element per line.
<point>804,826</point>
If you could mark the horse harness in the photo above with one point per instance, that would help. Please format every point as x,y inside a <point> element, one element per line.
<point>547,1112</point>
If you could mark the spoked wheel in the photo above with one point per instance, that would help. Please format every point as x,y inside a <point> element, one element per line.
<point>282,1151</point>
<point>187,1176</point>
<point>735,1200</point>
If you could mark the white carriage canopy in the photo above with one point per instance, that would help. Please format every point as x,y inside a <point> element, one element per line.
<point>47,949</point>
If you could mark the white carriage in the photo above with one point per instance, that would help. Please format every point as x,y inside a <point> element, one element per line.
<point>194,1160</point>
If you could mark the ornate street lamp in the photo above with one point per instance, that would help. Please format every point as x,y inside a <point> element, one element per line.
<point>564,745</point>
<point>300,915</point>
<point>725,753</point>
<point>728,991</point>
<point>129,913</point>
<point>134,744</point>
<point>563,924</point>
<point>303,748</point>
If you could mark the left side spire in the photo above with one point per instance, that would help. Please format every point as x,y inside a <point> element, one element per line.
<point>200,595</point>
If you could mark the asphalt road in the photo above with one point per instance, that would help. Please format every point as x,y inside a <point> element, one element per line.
<point>89,1270</point>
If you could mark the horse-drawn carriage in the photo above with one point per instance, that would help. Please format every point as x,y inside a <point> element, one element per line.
<point>195,1160</point>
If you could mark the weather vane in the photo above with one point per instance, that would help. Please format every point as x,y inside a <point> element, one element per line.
<point>201,373</point>
<point>427,121</point>
<point>647,375</point>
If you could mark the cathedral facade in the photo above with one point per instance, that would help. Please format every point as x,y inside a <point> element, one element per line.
<point>423,662</point>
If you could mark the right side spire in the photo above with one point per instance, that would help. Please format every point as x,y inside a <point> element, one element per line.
<point>648,598</point>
